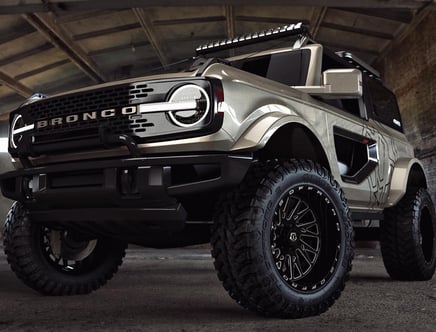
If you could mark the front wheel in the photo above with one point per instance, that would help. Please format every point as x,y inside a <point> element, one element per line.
<point>288,240</point>
<point>56,261</point>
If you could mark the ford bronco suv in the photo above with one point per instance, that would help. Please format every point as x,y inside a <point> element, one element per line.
<point>275,157</point>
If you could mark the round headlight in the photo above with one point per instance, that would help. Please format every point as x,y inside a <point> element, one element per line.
<point>191,115</point>
<point>16,135</point>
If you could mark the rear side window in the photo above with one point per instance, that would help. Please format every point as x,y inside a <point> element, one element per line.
<point>289,68</point>
<point>383,104</point>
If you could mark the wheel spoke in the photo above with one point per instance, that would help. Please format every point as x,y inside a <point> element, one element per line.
<point>307,259</point>
<point>306,244</point>
<point>297,266</point>
<point>294,211</point>
<point>280,219</point>
<point>311,253</point>
<point>284,209</point>
<point>289,267</point>
<point>295,238</point>
<point>307,225</point>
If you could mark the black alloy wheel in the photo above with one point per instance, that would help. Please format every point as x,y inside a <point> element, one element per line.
<point>297,238</point>
<point>282,241</point>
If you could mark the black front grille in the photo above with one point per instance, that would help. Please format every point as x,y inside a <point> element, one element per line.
<point>94,100</point>
<point>77,121</point>
<point>114,97</point>
<point>140,92</point>
<point>118,125</point>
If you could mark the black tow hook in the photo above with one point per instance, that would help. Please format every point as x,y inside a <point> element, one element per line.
<point>109,140</point>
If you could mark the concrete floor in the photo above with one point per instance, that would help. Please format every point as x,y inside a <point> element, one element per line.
<point>177,290</point>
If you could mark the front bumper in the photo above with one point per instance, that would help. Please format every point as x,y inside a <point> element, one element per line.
<point>143,190</point>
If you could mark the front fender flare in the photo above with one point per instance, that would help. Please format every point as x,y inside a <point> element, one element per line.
<point>259,133</point>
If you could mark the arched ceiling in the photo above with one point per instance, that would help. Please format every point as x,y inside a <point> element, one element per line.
<point>53,46</point>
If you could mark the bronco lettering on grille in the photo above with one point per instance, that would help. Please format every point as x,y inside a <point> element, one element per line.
<point>87,116</point>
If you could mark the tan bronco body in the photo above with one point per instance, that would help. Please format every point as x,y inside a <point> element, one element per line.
<point>269,154</point>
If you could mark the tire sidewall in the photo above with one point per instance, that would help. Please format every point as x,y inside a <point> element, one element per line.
<point>336,280</point>
<point>424,201</point>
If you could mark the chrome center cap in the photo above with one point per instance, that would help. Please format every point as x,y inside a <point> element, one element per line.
<point>293,237</point>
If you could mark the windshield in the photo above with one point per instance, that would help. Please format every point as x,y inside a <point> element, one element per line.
<point>289,68</point>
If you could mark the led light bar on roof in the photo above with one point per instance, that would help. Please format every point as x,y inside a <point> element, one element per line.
<point>253,38</point>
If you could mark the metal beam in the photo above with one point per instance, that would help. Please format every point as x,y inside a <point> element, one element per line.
<point>274,20</point>
<point>18,32</point>
<point>230,25</point>
<point>196,39</point>
<point>74,16</point>
<point>230,21</point>
<point>24,55</point>
<point>105,32</point>
<point>365,32</point>
<point>399,15</point>
<point>42,69</point>
<point>46,25</point>
<point>147,26</point>
<point>192,20</point>
<point>18,87</point>
<point>131,46</point>
<point>318,14</point>
<point>29,6</point>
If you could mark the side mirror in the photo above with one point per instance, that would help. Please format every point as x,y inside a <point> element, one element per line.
<point>337,83</point>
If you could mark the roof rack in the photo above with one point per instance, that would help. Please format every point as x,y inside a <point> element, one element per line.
<point>297,29</point>
<point>358,63</point>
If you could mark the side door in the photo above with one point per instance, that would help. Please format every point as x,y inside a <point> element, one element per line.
<point>385,122</point>
<point>361,149</point>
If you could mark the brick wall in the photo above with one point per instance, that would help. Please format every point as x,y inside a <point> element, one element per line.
<point>409,70</point>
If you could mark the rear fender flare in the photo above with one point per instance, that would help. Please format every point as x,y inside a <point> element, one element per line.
<point>406,172</point>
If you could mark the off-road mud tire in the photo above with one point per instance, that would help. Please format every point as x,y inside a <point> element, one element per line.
<point>242,241</point>
<point>408,237</point>
<point>28,258</point>
<point>221,230</point>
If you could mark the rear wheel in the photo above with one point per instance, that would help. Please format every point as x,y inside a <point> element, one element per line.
<point>58,261</point>
<point>287,239</point>
<point>408,237</point>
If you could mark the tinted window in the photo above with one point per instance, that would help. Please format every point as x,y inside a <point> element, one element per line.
<point>351,106</point>
<point>384,105</point>
<point>289,68</point>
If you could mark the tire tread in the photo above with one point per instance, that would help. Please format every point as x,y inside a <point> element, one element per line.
<point>400,250</point>
<point>34,273</point>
